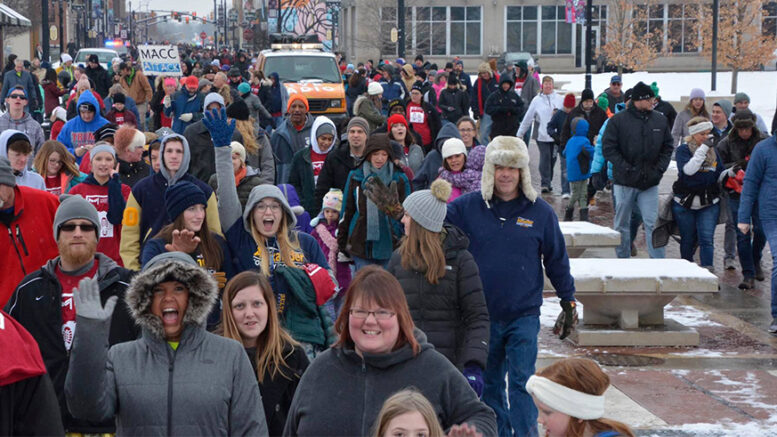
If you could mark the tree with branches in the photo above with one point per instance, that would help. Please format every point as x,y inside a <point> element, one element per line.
<point>631,42</point>
<point>741,45</point>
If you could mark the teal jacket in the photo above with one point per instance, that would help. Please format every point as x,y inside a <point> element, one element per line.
<point>303,319</point>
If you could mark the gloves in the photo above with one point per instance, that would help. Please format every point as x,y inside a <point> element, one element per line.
<point>566,320</point>
<point>186,117</point>
<point>87,300</point>
<point>474,377</point>
<point>385,198</point>
<point>343,257</point>
<point>221,279</point>
<point>220,131</point>
<point>167,101</point>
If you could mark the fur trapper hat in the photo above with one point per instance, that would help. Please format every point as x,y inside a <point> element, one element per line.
<point>506,151</point>
<point>171,266</point>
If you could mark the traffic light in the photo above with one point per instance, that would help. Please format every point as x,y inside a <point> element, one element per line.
<point>194,14</point>
<point>187,20</point>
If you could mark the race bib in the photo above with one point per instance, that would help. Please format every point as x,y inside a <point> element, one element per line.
<point>106,228</point>
<point>417,115</point>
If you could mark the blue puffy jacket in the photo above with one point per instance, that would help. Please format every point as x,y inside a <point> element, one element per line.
<point>574,148</point>
<point>598,161</point>
<point>185,103</point>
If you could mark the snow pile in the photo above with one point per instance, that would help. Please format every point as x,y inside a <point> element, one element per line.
<point>688,316</point>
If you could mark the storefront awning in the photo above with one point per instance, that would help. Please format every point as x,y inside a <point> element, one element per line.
<point>9,17</point>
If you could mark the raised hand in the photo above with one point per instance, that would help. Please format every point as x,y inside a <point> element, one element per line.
<point>464,430</point>
<point>87,300</point>
<point>220,130</point>
<point>183,241</point>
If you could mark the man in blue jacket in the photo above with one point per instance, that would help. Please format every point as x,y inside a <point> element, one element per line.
<point>185,106</point>
<point>512,231</point>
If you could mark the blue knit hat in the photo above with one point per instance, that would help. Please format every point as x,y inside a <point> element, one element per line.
<point>182,195</point>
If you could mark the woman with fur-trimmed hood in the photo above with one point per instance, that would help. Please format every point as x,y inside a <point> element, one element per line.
<point>177,379</point>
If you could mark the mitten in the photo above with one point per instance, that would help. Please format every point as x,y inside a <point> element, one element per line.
<point>385,198</point>
<point>220,130</point>
<point>221,279</point>
<point>474,377</point>
<point>566,320</point>
<point>87,300</point>
<point>186,117</point>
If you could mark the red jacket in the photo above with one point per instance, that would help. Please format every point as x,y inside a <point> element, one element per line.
<point>56,127</point>
<point>31,240</point>
<point>110,234</point>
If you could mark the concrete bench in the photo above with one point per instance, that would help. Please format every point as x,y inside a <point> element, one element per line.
<point>579,236</point>
<point>623,300</point>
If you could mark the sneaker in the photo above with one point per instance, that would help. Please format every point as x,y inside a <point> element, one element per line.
<point>759,272</point>
<point>565,195</point>
<point>729,264</point>
<point>747,284</point>
<point>773,327</point>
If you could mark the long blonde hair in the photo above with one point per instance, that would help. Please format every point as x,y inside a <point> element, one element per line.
<point>40,163</point>
<point>287,244</point>
<point>421,250</point>
<point>246,129</point>
<point>272,342</point>
<point>403,402</point>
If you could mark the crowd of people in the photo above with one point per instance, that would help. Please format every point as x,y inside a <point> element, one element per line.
<point>209,241</point>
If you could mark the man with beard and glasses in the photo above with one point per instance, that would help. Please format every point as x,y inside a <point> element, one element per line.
<point>43,301</point>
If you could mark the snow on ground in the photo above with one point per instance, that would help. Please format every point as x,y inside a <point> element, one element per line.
<point>761,86</point>
<point>723,429</point>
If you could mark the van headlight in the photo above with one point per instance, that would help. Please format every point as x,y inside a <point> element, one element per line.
<point>335,103</point>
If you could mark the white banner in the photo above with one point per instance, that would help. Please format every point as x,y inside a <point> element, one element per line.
<point>160,60</point>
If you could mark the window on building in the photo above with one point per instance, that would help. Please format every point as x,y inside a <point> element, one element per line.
<point>682,28</point>
<point>769,25</point>
<point>465,30</point>
<point>447,31</point>
<point>523,23</point>
<point>521,26</point>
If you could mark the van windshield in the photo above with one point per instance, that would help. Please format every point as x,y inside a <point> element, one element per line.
<point>301,67</point>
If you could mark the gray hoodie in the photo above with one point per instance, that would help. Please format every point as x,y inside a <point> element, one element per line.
<point>187,156</point>
<point>206,387</point>
<point>27,125</point>
<point>26,177</point>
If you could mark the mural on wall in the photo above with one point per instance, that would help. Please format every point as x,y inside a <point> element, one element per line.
<point>302,17</point>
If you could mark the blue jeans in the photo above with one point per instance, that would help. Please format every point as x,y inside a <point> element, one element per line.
<point>485,128</point>
<point>647,201</point>
<point>636,218</point>
<point>750,246</point>
<point>770,229</point>
<point>512,352</point>
<point>359,263</point>
<point>697,225</point>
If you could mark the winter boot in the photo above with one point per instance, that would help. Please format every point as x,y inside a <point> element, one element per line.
<point>583,214</point>
<point>759,272</point>
<point>747,284</point>
<point>568,214</point>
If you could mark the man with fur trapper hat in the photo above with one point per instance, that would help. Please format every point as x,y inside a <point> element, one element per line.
<point>512,230</point>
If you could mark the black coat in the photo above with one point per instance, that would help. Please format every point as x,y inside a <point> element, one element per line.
<point>37,305</point>
<point>102,81</point>
<point>506,110</point>
<point>277,393</point>
<point>639,145</point>
<point>668,110</point>
<point>453,312</point>
<point>132,172</point>
<point>29,407</point>
<point>453,103</point>
<point>595,118</point>
<point>334,172</point>
<point>733,150</point>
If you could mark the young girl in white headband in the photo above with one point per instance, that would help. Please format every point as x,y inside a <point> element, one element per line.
<point>569,395</point>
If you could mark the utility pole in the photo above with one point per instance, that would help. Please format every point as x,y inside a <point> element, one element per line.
<point>401,28</point>
<point>216,23</point>
<point>61,33</point>
<point>278,22</point>
<point>226,29</point>
<point>589,12</point>
<point>44,24</point>
<point>131,33</point>
<point>715,22</point>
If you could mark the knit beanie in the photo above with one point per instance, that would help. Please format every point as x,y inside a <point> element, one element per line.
<point>180,196</point>
<point>119,98</point>
<point>75,207</point>
<point>170,81</point>
<point>603,102</point>
<point>569,100</point>
<point>333,199</point>
<point>428,207</point>
<point>244,88</point>
<point>394,119</point>
<point>238,110</point>
<point>641,92</point>
<point>202,82</point>
<point>587,94</point>
<point>418,85</point>
<point>697,93</point>
<point>376,142</point>
<point>453,80</point>
<point>108,130</point>
<point>60,113</point>
<point>6,173</point>
<point>725,105</point>
<point>374,89</point>
<point>297,96</point>
<point>100,148</point>
<point>326,128</point>
<point>741,97</point>
<point>453,146</point>
<point>239,149</point>
<point>359,122</point>
<point>213,98</point>
<point>394,103</point>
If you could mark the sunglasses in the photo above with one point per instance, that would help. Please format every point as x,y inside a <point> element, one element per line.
<point>84,227</point>
<point>17,96</point>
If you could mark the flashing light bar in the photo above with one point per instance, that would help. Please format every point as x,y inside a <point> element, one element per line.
<point>297,46</point>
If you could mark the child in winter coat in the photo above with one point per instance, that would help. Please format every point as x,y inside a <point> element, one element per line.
<point>457,170</point>
<point>578,152</point>
<point>324,230</point>
<point>119,114</point>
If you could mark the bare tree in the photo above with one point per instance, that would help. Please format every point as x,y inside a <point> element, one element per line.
<point>380,17</point>
<point>631,41</point>
<point>741,45</point>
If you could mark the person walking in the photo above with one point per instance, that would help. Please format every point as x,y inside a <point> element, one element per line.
<point>505,107</point>
<point>541,110</point>
<point>578,153</point>
<point>696,107</point>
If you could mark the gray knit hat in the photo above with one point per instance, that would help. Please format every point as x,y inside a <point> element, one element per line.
<point>211,98</point>
<point>428,207</point>
<point>166,257</point>
<point>359,122</point>
<point>75,207</point>
<point>6,173</point>
<point>725,105</point>
<point>102,147</point>
<point>260,192</point>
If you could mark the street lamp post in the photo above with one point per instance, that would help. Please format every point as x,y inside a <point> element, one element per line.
<point>61,33</point>
<point>44,24</point>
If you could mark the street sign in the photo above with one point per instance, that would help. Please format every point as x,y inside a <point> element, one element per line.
<point>123,34</point>
<point>53,33</point>
<point>203,35</point>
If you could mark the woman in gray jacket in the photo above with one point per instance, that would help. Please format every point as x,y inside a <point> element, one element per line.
<point>177,379</point>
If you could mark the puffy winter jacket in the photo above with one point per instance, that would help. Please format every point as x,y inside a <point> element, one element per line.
<point>430,168</point>
<point>453,104</point>
<point>479,94</point>
<point>541,109</point>
<point>575,146</point>
<point>595,118</point>
<point>184,103</point>
<point>363,107</point>
<point>452,313</point>
<point>505,109</point>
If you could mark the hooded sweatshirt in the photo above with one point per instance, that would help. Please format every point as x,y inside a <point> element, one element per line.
<point>25,178</point>
<point>77,132</point>
<point>433,161</point>
<point>306,166</point>
<point>204,387</point>
<point>575,146</point>
<point>146,206</point>
<point>286,141</point>
<point>29,127</point>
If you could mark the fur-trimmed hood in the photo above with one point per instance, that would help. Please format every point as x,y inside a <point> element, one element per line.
<point>506,151</point>
<point>203,293</point>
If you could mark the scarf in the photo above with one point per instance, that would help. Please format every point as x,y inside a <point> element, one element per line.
<point>374,222</point>
<point>330,242</point>
<point>709,159</point>
<point>240,175</point>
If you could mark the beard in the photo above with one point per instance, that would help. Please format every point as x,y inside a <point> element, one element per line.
<point>77,255</point>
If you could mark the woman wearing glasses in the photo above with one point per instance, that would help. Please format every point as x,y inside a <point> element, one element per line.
<point>378,353</point>
<point>262,237</point>
<point>58,168</point>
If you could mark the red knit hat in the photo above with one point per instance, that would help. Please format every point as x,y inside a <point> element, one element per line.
<point>394,119</point>
<point>569,100</point>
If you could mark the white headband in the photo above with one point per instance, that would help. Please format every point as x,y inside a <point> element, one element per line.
<point>699,128</point>
<point>565,400</point>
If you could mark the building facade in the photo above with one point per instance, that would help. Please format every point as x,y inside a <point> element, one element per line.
<point>477,30</point>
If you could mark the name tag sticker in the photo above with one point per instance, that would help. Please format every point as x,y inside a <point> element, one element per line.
<point>526,223</point>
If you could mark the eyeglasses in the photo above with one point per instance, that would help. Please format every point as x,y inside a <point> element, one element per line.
<point>379,314</point>
<point>54,161</point>
<point>466,130</point>
<point>274,207</point>
<point>17,96</point>
<point>84,227</point>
